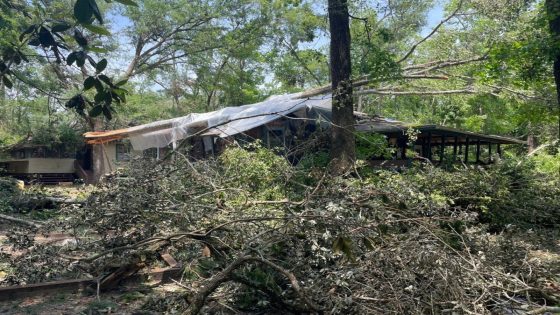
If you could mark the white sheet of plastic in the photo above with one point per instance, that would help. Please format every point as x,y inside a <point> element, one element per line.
<point>227,121</point>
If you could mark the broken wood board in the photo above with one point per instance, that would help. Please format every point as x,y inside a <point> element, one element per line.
<point>156,275</point>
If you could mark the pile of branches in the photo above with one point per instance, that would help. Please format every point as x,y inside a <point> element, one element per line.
<point>257,235</point>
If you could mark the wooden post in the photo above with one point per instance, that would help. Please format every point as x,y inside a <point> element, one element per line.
<point>477,151</point>
<point>429,146</point>
<point>401,142</point>
<point>455,149</point>
<point>489,152</point>
<point>467,150</point>
<point>442,149</point>
<point>499,148</point>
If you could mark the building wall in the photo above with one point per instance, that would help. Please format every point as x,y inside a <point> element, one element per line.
<point>17,167</point>
<point>40,166</point>
<point>46,165</point>
<point>110,157</point>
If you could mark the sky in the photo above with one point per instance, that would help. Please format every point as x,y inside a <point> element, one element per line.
<point>434,17</point>
<point>119,23</point>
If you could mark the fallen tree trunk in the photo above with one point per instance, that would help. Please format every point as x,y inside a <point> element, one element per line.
<point>20,221</point>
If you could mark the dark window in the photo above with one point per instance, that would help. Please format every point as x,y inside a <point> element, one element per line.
<point>151,153</point>
<point>276,138</point>
<point>208,142</point>
<point>123,152</point>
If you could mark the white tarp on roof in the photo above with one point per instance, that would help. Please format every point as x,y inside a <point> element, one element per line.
<point>227,121</point>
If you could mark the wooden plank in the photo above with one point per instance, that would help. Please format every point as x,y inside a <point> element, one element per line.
<point>45,288</point>
<point>170,260</point>
<point>455,149</point>
<point>477,151</point>
<point>429,146</point>
<point>467,150</point>
<point>158,275</point>
<point>442,150</point>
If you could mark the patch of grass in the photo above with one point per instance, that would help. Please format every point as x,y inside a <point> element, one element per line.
<point>132,296</point>
<point>100,307</point>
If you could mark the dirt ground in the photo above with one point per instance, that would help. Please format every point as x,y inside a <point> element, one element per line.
<point>127,301</point>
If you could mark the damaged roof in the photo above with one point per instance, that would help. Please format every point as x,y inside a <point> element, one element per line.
<point>230,121</point>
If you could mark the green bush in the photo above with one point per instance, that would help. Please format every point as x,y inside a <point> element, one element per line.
<point>256,169</point>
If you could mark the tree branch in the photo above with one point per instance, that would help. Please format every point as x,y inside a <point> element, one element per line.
<point>442,64</point>
<point>407,93</point>
<point>434,30</point>
<point>199,299</point>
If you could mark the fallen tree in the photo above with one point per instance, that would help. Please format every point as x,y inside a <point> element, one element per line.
<point>258,235</point>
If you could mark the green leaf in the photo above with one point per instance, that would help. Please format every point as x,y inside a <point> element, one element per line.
<point>343,245</point>
<point>106,79</point>
<point>28,30</point>
<point>127,2</point>
<point>83,12</point>
<point>34,41</point>
<point>80,39</point>
<point>98,85</point>
<point>71,58</point>
<point>89,83</point>
<point>23,57</point>
<point>80,58</point>
<point>119,95</point>
<point>98,50</point>
<point>97,29</point>
<point>95,11</point>
<point>7,82</point>
<point>122,82</point>
<point>45,37</point>
<point>119,91</point>
<point>108,97</point>
<point>96,111</point>
<point>101,65</point>
<point>369,243</point>
<point>60,27</point>
<point>100,96</point>
<point>107,112</point>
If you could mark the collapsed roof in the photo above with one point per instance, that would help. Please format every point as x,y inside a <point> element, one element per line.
<point>230,121</point>
<point>225,122</point>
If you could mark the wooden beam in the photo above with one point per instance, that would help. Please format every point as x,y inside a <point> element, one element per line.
<point>442,149</point>
<point>429,146</point>
<point>160,275</point>
<point>477,151</point>
<point>455,143</point>
<point>467,150</point>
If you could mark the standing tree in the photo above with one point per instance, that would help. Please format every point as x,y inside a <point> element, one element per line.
<point>343,150</point>
<point>553,14</point>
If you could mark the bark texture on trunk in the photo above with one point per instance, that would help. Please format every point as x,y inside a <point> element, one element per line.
<point>553,14</point>
<point>343,146</point>
<point>98,154</point>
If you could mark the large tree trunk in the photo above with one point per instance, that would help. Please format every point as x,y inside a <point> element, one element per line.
<point>343,147</point>
<point>553,14</point>
<point>98,154</point>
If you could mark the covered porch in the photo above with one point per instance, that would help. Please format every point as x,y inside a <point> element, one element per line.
<point>441,145</point>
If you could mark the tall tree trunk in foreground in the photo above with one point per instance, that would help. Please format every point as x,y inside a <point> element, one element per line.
<point>553,14</point>
<point>98,153</point>
<point>343,147</point>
